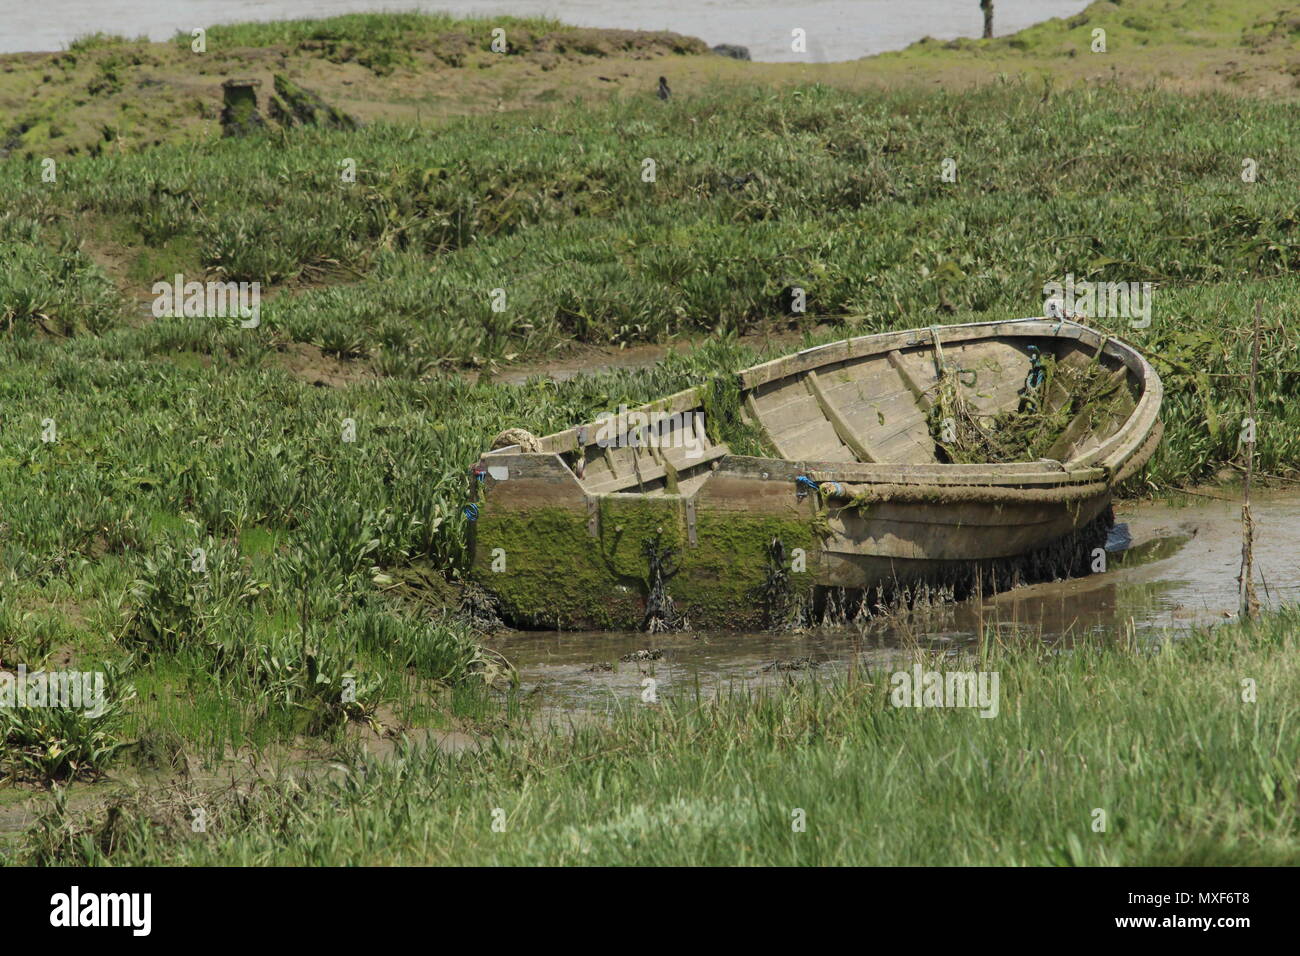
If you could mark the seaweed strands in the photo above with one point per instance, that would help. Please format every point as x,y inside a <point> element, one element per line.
<point>786,610</point>
<point>783,608</point>
<point>1068,557</point>
<point>965,435</point>
<point>878,606</point>
<point>481,608</point>
<point>661,614</point>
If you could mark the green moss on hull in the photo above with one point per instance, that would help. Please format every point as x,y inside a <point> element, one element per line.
<point>550,572</point>
<point>553,573</point>
<point>722,579</point>
<point>627,522</point>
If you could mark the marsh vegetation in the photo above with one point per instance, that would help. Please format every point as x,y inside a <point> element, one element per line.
<point>129,446</point>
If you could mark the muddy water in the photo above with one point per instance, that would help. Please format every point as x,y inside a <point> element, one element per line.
<point>1169,568</point>
<point>835,29</point>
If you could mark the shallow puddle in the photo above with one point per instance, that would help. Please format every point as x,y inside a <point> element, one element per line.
<point>1170,568</point>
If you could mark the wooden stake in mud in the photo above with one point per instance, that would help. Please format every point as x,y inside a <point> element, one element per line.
<point>1246,580</point>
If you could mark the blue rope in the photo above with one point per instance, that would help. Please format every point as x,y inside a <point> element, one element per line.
<point>804,484</point>
<point>1036,371</point>
<point>471,511</point>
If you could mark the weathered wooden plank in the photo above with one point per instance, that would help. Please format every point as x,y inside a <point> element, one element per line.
<point>622,463</point>
<point>911,532</point>
<point>912,381</point>
<point>648,470</point>
<point>597,470</point>
<point>913,447</point>
<point>687,400</point>
<point>847,433</point>
<point>1015,474</point>
<point>782,413</point>
<point>899,428</point>
<point>610,464</point>
<point>883,420</point>
<point>815,438</point>
<point>992,374</point>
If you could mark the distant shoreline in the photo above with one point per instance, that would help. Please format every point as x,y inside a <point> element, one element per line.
<point>836,31</point>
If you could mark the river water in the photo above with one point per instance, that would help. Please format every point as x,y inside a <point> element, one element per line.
<point>1171,568</point>
<point>836,29</point>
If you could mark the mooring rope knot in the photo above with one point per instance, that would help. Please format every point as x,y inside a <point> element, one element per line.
<point>803,485</point>
<point>471,511</point>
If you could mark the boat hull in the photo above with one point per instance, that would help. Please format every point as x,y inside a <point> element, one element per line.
<point>752,552</point>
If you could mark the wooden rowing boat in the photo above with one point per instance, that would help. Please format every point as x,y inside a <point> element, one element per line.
<point>954,457</point>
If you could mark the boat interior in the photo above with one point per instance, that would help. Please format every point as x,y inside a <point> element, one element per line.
<point>866,400</point>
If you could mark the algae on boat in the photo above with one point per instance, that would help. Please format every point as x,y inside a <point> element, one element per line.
<point>555,575</point>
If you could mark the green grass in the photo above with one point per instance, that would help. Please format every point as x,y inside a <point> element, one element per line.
<point>370,30</point>
<point>187,433</point>
<point>183,434</point>
<point>757,192</point>
<point>381,42</point>
<point>1185,770</point>
<point>1132,28</point>
<point>155,459</point>
<point>107,94</point>
<point>102,41</point>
